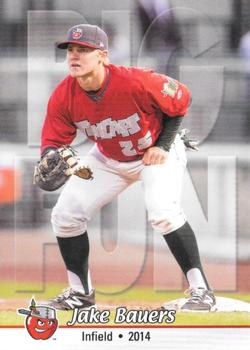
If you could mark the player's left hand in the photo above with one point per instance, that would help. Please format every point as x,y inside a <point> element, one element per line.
<point>154,155</point>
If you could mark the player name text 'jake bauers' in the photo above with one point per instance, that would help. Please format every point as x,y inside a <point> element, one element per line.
<point>109,128</point>
<point>122,315</point>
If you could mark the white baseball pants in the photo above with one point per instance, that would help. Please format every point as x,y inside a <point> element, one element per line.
<point>162,185</point>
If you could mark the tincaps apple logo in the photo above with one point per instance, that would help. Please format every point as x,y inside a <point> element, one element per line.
<point>77,33</point>
<point>41,321</point>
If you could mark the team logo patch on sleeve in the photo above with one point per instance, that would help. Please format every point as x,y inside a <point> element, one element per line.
<point>169,88</point>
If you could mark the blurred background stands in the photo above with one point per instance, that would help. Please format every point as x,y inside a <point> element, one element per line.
<point>200,43</point>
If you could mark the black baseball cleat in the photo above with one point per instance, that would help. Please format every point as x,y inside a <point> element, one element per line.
<point>201,299</point>
<point>71,299</point>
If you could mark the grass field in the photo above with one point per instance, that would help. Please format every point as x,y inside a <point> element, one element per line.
<point>135,298</point>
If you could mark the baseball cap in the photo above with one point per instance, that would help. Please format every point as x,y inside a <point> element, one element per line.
<point>86,35</point>
<point>39,311</point>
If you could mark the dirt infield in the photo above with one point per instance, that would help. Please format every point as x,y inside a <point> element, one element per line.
<point>26,258</point>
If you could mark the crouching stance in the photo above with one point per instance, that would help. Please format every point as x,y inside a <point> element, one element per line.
<point>133,115</point>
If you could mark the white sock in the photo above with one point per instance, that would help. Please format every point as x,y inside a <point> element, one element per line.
<point>76,284</point>
<point>195,279</point>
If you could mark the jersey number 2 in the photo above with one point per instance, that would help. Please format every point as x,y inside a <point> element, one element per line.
<point>143,142</point>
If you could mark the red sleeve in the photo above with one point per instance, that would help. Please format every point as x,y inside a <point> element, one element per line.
<point>57,129</point>
<point>166,94</point>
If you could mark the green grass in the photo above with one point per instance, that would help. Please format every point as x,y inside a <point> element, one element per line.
<point>133,295</point>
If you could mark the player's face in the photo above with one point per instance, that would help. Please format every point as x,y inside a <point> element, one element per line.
<point>82,60</point>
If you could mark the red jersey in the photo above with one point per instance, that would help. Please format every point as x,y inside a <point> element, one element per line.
<point>124,117</point>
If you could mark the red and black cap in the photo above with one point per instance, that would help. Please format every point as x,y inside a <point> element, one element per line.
<point>86,35</point>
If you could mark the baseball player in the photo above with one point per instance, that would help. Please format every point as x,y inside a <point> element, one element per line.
<point>133,116</point>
